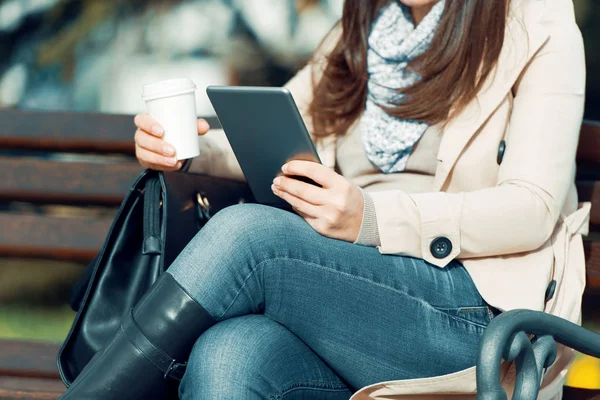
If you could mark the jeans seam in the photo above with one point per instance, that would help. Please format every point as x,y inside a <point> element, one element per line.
<point>308,385</point>
<point>490,313</point>
<point>457,318</point>
<point>257,266</point>
<point>472,309</point>
<point>252,270</point>
<point>362,279</point>
<point>485,308</point>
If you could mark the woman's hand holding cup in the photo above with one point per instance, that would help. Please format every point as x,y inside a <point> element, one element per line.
<point>163,146</point>
<point>151,150</point>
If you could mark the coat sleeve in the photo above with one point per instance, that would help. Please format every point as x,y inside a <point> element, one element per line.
<point>518,214</point>
<point>216,155</point>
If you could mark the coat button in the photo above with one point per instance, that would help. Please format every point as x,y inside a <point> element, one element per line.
<point>441,247</point>
<point>501,150</point>
<point>550,290</point>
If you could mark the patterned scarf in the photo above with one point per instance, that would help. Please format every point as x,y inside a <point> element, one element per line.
<point>394,41</point>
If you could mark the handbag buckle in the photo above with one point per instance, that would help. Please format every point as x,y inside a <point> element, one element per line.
<point>175,371</point>
<point>203,206</point>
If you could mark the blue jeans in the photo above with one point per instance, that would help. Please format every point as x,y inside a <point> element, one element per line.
<point>302,316</point>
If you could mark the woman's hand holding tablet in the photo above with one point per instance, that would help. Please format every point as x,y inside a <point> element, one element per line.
<point>334,210</point>
<point>266,131</point>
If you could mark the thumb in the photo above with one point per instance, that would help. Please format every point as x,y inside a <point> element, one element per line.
<point>203,126</point>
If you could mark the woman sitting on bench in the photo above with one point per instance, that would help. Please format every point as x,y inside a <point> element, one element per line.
<point>448,130</point>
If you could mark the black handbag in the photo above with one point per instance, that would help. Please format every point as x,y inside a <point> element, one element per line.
<point>159,216</point>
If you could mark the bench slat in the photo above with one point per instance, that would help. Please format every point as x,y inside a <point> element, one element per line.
<point>80,238</point>
<point>68,131</point>
<point>113,133</point>
<point>28,359</point>
<point>72,239</point>
<point>34,180</point>
<point>30,388</point>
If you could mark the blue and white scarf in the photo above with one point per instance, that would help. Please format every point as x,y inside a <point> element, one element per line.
<point>394,41</point>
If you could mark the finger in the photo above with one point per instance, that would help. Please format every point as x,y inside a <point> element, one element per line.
<point>310,210</point>
<point>161,167</point>
<point>177,167</point>
<point>307,217</point>
<point>315,171</point>
<point>146,123</point>
<point>156,167</point>
<point>150,157</point>
<point>203,126</point>
<point>305,191</point>
<point>153,144</point>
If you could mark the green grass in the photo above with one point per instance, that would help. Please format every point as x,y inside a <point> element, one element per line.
<point>35,322</point>
<point>33,298</point>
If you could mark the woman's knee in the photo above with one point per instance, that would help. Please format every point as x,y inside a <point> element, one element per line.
<point>247,229</point>
<point>225,240</point>
<point>262,229</point>
<point>225,256</point>
<point>247,221</point>
<point>254,357</point>
<point>229,360</point>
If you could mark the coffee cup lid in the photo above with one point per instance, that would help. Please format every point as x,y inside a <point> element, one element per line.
<point>170,87</point>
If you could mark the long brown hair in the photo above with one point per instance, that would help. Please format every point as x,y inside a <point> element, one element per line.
<point>463,53</point>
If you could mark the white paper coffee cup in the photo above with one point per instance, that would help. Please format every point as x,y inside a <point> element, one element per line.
<point>172,103</point>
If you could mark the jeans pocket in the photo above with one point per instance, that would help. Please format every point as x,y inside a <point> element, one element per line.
<point>477,315</point>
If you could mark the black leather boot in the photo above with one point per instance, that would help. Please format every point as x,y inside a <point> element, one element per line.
<point>146,358</point>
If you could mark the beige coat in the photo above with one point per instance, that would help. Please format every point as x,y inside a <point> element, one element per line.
<point>515,226</point>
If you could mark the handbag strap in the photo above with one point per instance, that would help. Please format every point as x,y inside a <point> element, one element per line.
<point>152,241</point>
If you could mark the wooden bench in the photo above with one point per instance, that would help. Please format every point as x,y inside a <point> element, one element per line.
<point>52,160</point>
<point>52,164</point>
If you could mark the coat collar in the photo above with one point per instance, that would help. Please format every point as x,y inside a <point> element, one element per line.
<point>525,35</point>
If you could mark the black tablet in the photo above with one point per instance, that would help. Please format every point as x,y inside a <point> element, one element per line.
<point>265,130</point>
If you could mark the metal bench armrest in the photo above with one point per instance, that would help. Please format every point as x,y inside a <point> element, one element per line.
<point>506,337</point>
